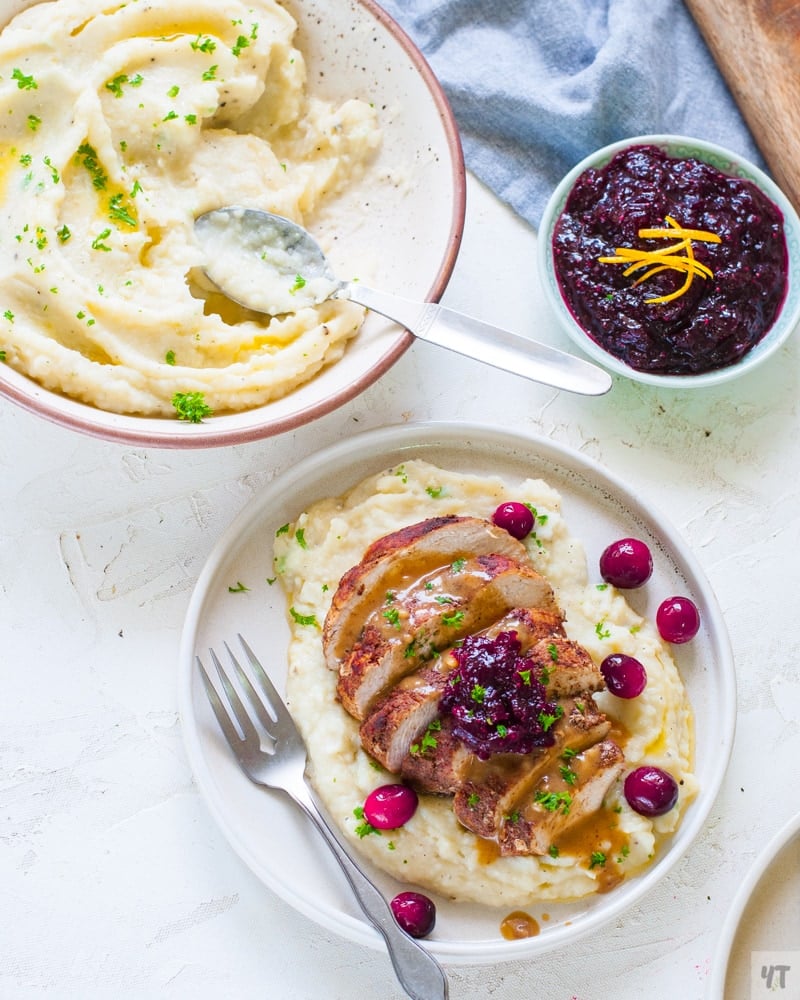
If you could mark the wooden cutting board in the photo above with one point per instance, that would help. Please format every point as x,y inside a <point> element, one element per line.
<point>756,44</point>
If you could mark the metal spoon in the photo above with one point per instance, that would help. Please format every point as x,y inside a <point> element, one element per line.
<point>271,265</point>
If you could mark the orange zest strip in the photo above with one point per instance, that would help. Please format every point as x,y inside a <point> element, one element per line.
<point>667,258</point>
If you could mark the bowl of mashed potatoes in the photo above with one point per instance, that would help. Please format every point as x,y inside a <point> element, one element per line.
<point>672,261</point>
<point>151,115</point>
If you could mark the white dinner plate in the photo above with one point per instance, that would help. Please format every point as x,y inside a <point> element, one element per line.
<point>761,933</point>
<point>268,832</point>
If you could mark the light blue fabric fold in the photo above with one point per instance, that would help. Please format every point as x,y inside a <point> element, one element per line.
<point>536,85</point>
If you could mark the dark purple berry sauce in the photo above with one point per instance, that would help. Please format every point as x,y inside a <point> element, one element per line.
<point>497,703</point>
<point>716,320</point>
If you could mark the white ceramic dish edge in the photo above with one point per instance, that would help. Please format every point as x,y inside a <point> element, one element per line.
<point>716,985</point>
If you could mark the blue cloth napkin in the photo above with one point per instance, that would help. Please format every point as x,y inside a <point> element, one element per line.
<point>536,85</point>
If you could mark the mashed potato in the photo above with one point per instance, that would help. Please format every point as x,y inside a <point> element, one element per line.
<point>433,850</point>
<point>119,124</point>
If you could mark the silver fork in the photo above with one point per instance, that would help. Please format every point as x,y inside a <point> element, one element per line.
<point>283,767</point>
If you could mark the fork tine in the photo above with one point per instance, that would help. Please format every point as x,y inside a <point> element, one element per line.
<point>223,718</point>
<point>265,712</point>
<point>246,725</point>
<point>274,701</point>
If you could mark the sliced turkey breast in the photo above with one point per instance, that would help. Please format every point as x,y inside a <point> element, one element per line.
<point>394,561</point>
<point>492,789</point>
<point>401,719</point>
<point>411,626</point>
<point>556,804</point>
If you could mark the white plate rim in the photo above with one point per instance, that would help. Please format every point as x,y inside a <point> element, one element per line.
<point>419,436</point>
<point>730,927</point>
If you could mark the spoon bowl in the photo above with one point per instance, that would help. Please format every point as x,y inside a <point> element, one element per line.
<point>272,265</point>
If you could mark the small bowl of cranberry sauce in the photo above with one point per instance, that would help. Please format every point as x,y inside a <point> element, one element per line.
<point>672,261</point>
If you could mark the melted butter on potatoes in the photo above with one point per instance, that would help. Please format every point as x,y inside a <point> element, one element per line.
<point>433,850</point>
<point>119,125</point>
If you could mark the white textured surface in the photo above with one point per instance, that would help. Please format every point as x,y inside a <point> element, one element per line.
<point>114,880</point>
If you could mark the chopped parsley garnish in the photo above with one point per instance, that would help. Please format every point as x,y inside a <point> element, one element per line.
<point>87,155</point>
<point>119,212</point>
<point>552,650</point>
<point>115,84</point>
<point>303,619</point>
<point>392,616</point>
<point>526,676</point>
<point>456,618</point>
<point>597,859</point>
<point>283,530</point>
<point>601,631</point>
<point>97,242</point>
<point>428,741</point>
<point>566,772</point>
<point>553,851</point>
<point>238,589</point>
<point>546,719</point>
<point>54,175</point>
<point>170,116</point>
<point>478,693</point>
<point>173,91</point>
<point>434,492</point>
<point>299,282</point>
<point>24,82</point>
<point>457,565</point>
<point>169,357</point>
<point>300,538</point>
<point>34,121</point>
<point>554,801</point>
<point>211,72</point>
<point>473,799</point>
<point>8,315</point>
<point>191,406</point>
<point>242,42</point>
<point>203,44</point>
<point>2,355</point>
<point>364,828</point>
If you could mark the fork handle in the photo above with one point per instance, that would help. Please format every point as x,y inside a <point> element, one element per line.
<point>419,973</point>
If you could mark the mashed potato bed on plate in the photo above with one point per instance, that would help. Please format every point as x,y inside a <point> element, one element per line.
<point>121,124</point>
<point>433,850</point>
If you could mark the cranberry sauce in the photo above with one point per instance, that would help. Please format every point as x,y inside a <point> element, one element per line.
<point>716,320</point>
<point>497,704</point>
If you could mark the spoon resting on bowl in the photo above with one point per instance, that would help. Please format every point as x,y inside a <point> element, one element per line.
<point>271,265</point>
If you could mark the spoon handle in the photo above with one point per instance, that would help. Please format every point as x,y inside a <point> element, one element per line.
<point>484,342</point>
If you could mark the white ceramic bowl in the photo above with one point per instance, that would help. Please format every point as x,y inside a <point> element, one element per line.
<point>413,227</point>
<point>725,161</point>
